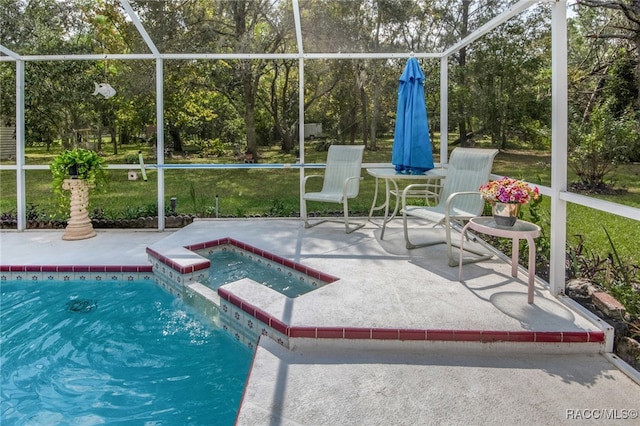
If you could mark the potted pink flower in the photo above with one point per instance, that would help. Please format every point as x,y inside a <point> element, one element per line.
<point>506,195</point>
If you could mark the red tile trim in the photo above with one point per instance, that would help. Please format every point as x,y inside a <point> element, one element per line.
<point>365,333</point>
<point>575,337</point>
<point>248,309</point>
<point>407,334</point>
<point>223,293</point>
<point>521,336</point>
<point>441,335</point>
<point>278,326</point>
<point>76,268</point>
<point>244,246</point>
<point>130,268</point>
<point>65,268</point>
<point>262,316</point>
<point>466,335</point>
<point>330,332</point>
<point>596,336</point>
<point>494,336</point>
<point>308,332</point>
<point>271,256</point>
<point>235,300</point>
<point>199,246</point>
<point>175,265</point>
<point>548,336</point>
<point>357,333</point>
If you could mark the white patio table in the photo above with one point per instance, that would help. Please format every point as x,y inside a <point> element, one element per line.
<point>391,178</point>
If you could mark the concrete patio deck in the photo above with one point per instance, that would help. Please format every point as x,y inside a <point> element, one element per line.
<point>458,379</point>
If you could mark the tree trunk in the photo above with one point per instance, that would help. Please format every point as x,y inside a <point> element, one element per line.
<point>250,113</point>
<point>375,114</point>
<point>176,139</point>
<point>637,43</point>
<point>364,112</point>
<point>462,61</point>
<point>99,141</point>
<point>353,128</point>
<point>249,82</point>
<point>114,139</point>
<point>593,98</point>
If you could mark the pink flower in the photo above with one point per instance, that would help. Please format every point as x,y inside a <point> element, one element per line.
<point>509,190</point>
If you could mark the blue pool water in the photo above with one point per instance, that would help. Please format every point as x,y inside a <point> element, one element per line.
<point>228,266</point>
<point>103,353</point>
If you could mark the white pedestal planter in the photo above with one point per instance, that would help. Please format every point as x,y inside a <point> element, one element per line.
<point>79,226</point>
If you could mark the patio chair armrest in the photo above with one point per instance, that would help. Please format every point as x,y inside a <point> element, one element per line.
<point>409,189</point>
<point>447,205</point>
<point>304,183</point>
<point>345,184</point>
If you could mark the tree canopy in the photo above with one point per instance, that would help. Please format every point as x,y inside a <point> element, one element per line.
<point>499,88</point>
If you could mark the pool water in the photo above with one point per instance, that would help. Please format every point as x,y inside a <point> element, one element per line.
<point>129,353</point>
<point>228,266</point>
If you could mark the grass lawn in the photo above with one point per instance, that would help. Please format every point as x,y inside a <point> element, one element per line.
<point>254,192</point>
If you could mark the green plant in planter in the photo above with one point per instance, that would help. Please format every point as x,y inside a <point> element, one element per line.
<point>77,163</point>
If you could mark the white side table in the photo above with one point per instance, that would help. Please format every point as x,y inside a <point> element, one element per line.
<point>521,230</point>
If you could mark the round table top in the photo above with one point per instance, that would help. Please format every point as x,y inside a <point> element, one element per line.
<point>390,173</point>
<point>487,224</point>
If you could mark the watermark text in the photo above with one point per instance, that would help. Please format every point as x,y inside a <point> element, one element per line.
<point>601,413</point>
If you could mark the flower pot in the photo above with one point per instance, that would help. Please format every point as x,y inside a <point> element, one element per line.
<point>73,171</point>
<point>505,214</point>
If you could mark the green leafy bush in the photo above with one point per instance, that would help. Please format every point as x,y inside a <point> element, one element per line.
<point>214,148</point>
<point>602,143</point>
<point>77,163</point>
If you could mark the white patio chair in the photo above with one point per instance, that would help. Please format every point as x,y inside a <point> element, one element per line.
<point>460,199</point>
<point>341,182</point>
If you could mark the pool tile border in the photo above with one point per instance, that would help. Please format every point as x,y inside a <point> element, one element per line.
<point>400,334</point>
<point>106,273</point>
<point>205,263</point>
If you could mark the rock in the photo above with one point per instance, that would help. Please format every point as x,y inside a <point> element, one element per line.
<point>581,287</point>
<point>628,349</point>
<point>608,304</point>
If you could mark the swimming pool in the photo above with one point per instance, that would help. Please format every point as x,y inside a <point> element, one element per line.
<point>91,353</point>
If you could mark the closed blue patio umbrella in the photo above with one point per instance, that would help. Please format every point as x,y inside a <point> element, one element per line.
<point>411,142</point>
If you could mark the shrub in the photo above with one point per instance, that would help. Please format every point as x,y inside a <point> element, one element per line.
<point>597,147</point>
<point>77,163</point>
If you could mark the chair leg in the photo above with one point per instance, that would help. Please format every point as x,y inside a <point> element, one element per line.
<point>454,261</point>
<point>305,217</point>
<point>304,214</point>
<point>347,229</point>
<point>408,243</point>
<point>411,245</point>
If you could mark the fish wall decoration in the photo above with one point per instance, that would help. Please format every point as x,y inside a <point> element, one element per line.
<point>104,89</point>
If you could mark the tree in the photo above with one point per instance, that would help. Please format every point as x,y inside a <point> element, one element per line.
<point>509,83</point>
<point>603,89</point>
<point>626,27</point>
<point>597,147</point>
<point>252,26</point>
